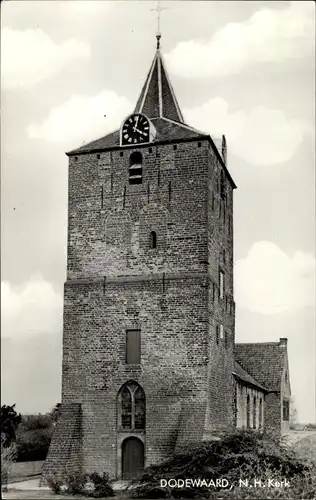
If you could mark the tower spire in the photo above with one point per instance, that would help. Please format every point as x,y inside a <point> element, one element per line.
<point>158,9</point>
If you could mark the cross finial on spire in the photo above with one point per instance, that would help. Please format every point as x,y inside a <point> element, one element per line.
<point>158,9</point>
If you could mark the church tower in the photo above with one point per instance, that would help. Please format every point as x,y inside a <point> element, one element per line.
<point>149,313</point>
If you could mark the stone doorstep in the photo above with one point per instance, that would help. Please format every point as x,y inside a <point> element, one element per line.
<point>121,485</point>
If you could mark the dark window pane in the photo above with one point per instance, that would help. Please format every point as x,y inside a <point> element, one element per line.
<point>133,347</point>
<point>126,414</point>
<point>135,180</point>
<point>139,409</point>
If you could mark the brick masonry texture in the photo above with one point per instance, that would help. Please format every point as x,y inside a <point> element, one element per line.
<point>116,282</point>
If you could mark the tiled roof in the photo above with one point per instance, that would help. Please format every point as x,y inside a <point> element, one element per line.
<point>157,98</point>
<point>240,373</point>
<point>166,130</point>
<point>263,361</point>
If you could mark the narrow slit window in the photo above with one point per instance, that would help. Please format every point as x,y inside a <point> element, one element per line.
<point>153,239</point>
<point>221,285</point>
<point>248,411</point>
<point>260,413</point>
<point>221,332</point>
<point>226,339</point>
<point>136,168</point>
<point>286,410</point>
<point>222,186</point>
<point>254,414</point>
<point>217,334</point>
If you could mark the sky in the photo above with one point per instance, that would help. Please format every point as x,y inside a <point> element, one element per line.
<point>243,69</point>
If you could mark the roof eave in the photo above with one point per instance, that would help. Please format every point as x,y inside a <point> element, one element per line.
<point>252,384</point>
<point>77,152</point>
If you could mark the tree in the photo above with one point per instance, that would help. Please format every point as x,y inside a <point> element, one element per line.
<point>9,421</point>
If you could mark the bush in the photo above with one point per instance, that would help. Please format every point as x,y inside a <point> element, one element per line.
<point>54,483</point>
<point>242,455</point>
<point>33,437</point>
<point>91,485</point>
<point>33,445</point>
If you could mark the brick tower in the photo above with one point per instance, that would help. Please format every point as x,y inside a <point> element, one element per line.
<point>149,313</point>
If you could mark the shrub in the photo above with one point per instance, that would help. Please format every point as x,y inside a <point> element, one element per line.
<point>75,483</point>
<point>91,485</point>
<point>102,485</point>
<point>54,483</point>
<point>242,455</point>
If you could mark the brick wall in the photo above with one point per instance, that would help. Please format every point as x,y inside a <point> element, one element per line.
<point>116,282</point>
<point>285,391</point>
<point>272,411</point>
<point>65,448</point>
<point>221,310</point>
<point>242,392</point>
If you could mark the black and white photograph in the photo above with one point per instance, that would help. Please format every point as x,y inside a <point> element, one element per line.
<point>158,331</point>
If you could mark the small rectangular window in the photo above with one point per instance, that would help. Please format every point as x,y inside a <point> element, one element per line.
<point>221,332</point>
<point>221,285</point>
<point>226,339</point>
<point>217,334</point>
<point>175,147</point>
<point>199,144</point>
<point>98,156</point>
<point>76,158</point>
<point>286,410</point>
<point>121,153</point>
<point>133,347</point>
<point>222,185</point>
<point>150,150</point>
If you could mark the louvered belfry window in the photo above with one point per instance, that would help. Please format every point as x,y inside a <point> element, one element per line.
<point>136,168</point>
<point>132,407</point>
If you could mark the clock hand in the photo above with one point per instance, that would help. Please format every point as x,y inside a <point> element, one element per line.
<point>139,131</point>
<point>135,126</point>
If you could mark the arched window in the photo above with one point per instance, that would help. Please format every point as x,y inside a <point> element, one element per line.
<point>254,413</point>
<point>132,407</point>
<point>248,411</point>
<point>135,168</point>
<point>153,240</point>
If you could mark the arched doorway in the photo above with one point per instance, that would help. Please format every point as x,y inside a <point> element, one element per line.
<point>132,458</point>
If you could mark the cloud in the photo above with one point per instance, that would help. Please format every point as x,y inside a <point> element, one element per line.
<point>30,56</point>
<point>261,137</point>
<point>81,118</point>
<point>34,308</point>
<point>268,281</point>
<point>268,36</point>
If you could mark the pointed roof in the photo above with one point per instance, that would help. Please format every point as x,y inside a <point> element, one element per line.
<point>157,98</point>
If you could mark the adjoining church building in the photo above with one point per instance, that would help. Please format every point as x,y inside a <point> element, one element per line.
<point>149,356</point>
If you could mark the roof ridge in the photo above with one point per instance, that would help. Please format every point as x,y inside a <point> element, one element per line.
<point>157,98</point>
<point>182,124</point>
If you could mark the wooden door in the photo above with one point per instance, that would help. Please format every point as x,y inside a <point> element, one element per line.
<point>132,458</point>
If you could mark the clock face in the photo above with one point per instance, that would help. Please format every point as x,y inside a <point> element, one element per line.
<point>135,130</point>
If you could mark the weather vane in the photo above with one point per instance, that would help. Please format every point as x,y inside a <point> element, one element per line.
<point>158,9</point>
